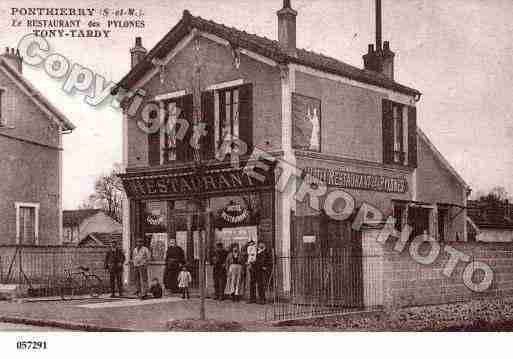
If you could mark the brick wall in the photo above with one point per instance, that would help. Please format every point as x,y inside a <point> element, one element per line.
<point>407,283</point>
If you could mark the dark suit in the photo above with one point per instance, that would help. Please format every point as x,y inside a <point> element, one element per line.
<point>218,261</point>
<point>260,271</point>
<point>114,261</point>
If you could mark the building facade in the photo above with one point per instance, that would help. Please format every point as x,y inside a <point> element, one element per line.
<point>31,132</point>
<point>285,128</point>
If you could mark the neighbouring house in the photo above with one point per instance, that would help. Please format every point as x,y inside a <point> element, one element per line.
<point>78,224</point>
<point>31,130</point>
<point>490,221</point>
<point>325,125</point>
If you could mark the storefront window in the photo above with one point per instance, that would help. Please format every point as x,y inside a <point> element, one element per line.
<point>155,228</point>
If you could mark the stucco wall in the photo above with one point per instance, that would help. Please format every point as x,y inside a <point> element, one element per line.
<point>436,184</point>
<point>29,172</point>
<point>351,123</point>
<point>217,67</point>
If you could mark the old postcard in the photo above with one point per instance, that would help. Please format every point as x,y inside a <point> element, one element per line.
<point>280,165</point>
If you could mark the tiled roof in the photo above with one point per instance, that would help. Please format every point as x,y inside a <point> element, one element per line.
<point>37,96</point>
<point>262,46</point>
<point>75,217</point>
<point>104,239</point>
<point>489,216</point>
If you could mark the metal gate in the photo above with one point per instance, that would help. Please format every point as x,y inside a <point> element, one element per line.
<point>317,285</point>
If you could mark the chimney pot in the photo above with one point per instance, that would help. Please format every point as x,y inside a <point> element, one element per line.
<point>287,28</point>
<point>371,48</point>
<point>137,52</point>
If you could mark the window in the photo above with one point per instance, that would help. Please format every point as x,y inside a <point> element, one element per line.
<point>27,223</point>
<point>226,121</point>
<point>399,134</point>
<point>399,138</point>
<point>2,116</point>
<point>171,142</point>
<point>231,124</point>
<point>418,216</point>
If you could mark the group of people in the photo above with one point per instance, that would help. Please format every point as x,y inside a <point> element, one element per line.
<point>231,269</point>
<point>114,262</point>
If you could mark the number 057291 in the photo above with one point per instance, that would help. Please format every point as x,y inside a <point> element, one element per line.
<point>30,345</point>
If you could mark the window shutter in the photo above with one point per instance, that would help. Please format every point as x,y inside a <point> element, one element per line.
<point>154,146</point>
<point>388,132</point>
<point>184,151</point>
<point>246,116</point>
<point>8,108</point>
<point>207,108</point>
<point>412,136</point>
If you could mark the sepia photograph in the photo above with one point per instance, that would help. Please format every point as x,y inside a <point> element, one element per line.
<point>283,166</point>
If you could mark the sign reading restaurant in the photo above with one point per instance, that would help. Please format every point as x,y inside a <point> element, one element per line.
<point>369,182</point>
<point>149,185</point>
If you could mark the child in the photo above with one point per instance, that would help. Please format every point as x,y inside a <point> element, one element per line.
<point>184,279</point>
<point>156,288</point>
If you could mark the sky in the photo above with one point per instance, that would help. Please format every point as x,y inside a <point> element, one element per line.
<point>458,53</point>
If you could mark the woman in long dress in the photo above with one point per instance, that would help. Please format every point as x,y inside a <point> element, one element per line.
<point>234,267</point>
<point>175,257</point>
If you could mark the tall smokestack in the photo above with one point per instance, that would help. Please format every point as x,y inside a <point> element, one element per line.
<point>380,59</point>
<point>378,25</point>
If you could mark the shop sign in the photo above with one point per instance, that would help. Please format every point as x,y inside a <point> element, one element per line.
<point>368,182</point>
<point>309,239</point>
<point>188,184</point>
<point>234,213</point>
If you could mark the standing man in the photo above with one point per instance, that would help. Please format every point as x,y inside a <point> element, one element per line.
<point>114,261</point>
<point>218,262</point>
<point>175,257</point>
<point>262,269</point>
<point>140,259</point>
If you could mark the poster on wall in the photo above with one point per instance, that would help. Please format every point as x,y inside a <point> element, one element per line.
<point>158,246</point>
<point>306,123</point>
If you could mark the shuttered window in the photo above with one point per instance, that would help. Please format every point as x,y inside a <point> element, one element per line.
<point>399,134</point>
<point>7,108</point>
<point>172,142</point>
<point>232,120</point>
<point>2,119</point>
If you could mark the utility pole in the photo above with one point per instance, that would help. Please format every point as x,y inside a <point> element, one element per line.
<point>199,168</point>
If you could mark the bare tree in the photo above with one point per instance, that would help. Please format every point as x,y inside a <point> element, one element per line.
<point>107,195</point>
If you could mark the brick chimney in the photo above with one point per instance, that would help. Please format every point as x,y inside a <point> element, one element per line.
<point>381,58</point>
<point>137,52</point>
<point>287,28</point>
<point>12,56</point>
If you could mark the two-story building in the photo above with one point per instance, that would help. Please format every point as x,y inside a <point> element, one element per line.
<point>308,114</point>
<point>31,130</point>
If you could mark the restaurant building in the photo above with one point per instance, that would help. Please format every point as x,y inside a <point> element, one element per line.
<point>353,129</point>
